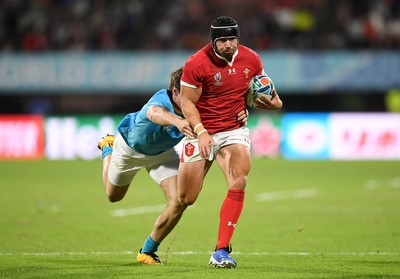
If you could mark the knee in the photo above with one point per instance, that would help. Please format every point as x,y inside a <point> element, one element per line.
<point>238,183</point>
<point>114,199</point>
<point>185,201</point>
<point>178,207</point>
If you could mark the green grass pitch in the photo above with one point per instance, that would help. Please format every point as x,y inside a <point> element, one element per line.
<point>301,219</point>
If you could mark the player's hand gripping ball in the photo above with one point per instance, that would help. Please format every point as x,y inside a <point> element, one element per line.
<point>259,85</point>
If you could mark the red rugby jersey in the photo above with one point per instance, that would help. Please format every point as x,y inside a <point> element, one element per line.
<point>224,85</point>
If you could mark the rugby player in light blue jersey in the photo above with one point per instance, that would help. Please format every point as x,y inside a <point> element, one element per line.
<point>149,139</point>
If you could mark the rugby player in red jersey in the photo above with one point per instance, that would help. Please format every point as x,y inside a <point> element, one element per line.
<point>213,88</point>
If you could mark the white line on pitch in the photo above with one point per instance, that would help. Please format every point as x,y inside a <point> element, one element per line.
<point>374,184</point>
<point>207,253</point>
<point>137,210</point>
<point>394,182</point>
<point>280,195</point>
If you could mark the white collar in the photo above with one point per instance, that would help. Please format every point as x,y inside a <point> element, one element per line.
<point>230,63</point>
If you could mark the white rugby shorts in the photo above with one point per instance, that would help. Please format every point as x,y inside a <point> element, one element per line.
<point>191,151</point>
<point>126,162</point>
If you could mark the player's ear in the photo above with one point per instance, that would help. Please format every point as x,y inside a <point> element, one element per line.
<point>175,93</point>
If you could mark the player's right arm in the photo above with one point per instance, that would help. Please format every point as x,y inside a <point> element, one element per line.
<point>161,116</point>
<point>189,98</point>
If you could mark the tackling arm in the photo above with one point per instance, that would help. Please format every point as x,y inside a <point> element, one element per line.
<point>161,116</point>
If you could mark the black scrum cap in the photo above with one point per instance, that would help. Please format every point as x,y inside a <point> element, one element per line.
<point>223,27</point>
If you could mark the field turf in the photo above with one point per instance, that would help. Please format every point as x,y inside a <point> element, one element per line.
<point>301,219</point>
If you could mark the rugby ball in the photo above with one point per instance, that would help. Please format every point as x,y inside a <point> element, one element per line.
<point>259,85</point>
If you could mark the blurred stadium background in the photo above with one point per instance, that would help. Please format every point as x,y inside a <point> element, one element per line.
<point>76,66</point>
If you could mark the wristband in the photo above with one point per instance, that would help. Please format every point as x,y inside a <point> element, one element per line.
<point>197,126</point>
<point>202,131</point>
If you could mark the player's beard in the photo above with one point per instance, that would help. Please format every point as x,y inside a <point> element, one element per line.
<point>228,54</point>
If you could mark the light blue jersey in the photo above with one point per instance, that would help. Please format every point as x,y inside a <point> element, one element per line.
<point>143,135</point>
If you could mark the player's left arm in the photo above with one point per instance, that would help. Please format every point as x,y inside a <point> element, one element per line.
<point>275,103</point>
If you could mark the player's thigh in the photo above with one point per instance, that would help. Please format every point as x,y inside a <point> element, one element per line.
<point>169,187</point>
<point>164,166</point>
<point>125,163</point>
<point>235,162</point>
<point>114,191</point>
<point>190,179</point>
<point>120,174</point>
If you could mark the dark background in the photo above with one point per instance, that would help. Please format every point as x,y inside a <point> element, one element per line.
<point>34,26</point>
